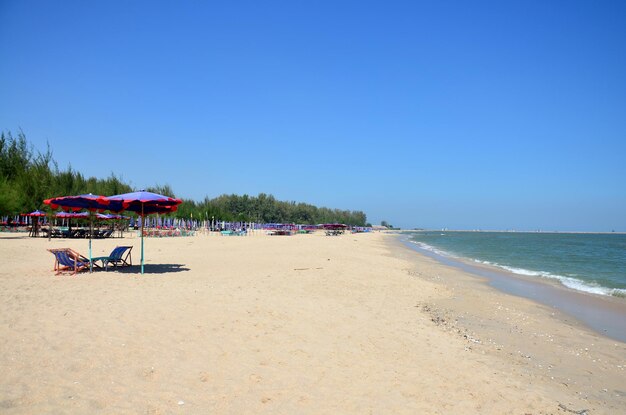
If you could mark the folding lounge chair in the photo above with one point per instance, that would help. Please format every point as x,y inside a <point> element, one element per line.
<point>67,260</point>
<point>119,256</point>
<point>78,233</point>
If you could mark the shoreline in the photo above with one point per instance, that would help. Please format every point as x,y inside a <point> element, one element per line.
<point>514,231</point>
<point>575,283</point>
<point>606,315</point>
<point>553,346</point>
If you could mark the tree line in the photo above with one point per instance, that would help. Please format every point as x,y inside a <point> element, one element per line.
<point>28,176</point>
<point>266,209</point>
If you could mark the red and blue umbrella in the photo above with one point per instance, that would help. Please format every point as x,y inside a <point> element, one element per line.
<point>87,215</point>
<point>110,216</point>
<point>144,203</point>
<point>88,201</point>
<point>36,213</point>
<point>72,215</point>
<point>93,203</point>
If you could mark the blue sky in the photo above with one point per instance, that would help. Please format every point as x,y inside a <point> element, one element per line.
<point>491,115</point>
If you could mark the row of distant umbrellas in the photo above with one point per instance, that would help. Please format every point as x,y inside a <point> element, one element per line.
<point>161,222</point>
<point>141,202</point>
<point>76,215</point>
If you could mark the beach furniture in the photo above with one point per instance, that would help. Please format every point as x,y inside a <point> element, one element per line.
<point>53,233</point>
<point>281,232</point>
<point>103,233</point>
<point>120,256</point>
<point>79,233</point>
<point>334,229</point>
<point>68,260</point>
<point>234,233</point>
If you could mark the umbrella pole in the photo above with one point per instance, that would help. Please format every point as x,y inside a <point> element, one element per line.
<point>143,220</point>
<point>90,235</point>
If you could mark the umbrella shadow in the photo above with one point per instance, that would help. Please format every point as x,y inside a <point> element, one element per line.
<point>154,269</point>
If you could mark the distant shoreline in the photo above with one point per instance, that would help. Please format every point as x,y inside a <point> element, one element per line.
<point>514,231</point>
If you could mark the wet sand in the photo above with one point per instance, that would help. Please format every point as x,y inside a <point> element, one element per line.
<point>283,325</point>
<point>604,314</point>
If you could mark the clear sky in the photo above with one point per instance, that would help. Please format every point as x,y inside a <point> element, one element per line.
<point>468,114</point>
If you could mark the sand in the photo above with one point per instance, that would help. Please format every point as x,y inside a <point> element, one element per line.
<point>306,324</point>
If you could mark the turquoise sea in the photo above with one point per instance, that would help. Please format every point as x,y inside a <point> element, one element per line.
<point>594,263</point>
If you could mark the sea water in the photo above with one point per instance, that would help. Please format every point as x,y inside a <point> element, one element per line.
<point>594,263</point>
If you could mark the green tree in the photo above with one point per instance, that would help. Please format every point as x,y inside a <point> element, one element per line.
<point>27,177</point>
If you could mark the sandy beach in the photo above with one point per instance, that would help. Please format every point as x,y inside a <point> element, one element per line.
<point>307,324</point>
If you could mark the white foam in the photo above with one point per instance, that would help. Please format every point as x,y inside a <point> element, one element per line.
<point>569,282</point>
<point>430,248</point>
<point>522,271</point>
<point>591,288</point>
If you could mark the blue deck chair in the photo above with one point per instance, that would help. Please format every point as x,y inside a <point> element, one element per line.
<point>67,260</point>
<point>120,256</point>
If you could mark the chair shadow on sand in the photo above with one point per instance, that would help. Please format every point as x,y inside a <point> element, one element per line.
<point>153,269</point>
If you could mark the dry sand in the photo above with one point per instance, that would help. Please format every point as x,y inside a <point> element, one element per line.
<point>306,324</point>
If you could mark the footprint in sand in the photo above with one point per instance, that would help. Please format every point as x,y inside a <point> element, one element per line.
<point>149,373</point>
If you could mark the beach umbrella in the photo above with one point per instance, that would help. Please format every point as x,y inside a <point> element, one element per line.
<point>87,215</point>
<point>114,217</point>
<point>77,215</point>
<point>110,216</point>
<point>35,213</point>
<point>88,201</point>
<point>93,203</point>
<point>145,203</point>
<point>70,215</point>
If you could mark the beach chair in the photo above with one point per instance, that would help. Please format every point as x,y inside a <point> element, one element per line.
<point>120,256</point>
<point>79,233</point>
<point>67,260</point>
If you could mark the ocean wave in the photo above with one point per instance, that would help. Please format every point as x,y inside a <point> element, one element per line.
<point>432,249</point>
<point>569,282</point>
